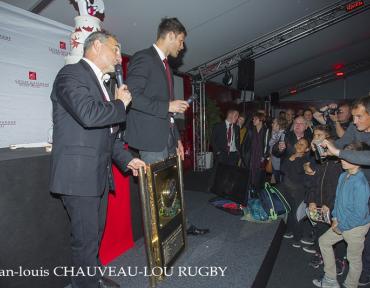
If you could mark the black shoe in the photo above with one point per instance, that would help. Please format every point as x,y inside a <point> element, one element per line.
<point>192,230</point>
<point>104,282</point>
<point>364,279</point>
<point>316,261</point>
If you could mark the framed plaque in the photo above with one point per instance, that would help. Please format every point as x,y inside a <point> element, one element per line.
<point>162,199</point>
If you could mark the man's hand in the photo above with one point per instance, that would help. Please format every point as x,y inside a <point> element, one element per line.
<point>178,106</point>
<point>135,164</point>
<point>331,149</point>
<point>123,94</point>
<point>180,150</point>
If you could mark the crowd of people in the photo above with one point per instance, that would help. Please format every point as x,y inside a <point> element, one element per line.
<point>319,159</point>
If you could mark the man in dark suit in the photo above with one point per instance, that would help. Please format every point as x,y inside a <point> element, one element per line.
<point>150,126</point>
<point>226,139</point>
<point>85,118</point>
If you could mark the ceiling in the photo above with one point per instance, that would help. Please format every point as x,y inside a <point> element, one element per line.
<point>216,27</point>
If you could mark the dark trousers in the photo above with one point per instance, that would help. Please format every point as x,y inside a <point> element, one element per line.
<point>278,176</point>
<point>231,159</point>
<point>293,225</point>
<point>87,216</point>
<point>366,255</point>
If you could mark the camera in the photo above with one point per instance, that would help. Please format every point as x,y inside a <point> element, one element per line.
<point>330,111</point>
<point>319,152</point>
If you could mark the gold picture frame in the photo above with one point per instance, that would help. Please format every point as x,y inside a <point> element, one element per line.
<point>162,200</point>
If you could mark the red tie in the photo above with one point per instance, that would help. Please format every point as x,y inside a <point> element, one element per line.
<point>169,78</point>
<point>229,137</point>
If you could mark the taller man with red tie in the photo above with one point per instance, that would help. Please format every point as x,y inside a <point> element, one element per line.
<point>150,125</point>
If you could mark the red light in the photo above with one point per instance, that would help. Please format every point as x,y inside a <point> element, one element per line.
<point>353,5</point>
<point>339,74</point>
<point>293,91</point>
<point>338,66</point>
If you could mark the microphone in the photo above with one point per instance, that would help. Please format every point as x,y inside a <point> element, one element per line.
<point>118,72</point>
<point>191,99</point>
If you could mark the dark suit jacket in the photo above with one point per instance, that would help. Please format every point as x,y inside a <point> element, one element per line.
<point>148,120</point>
<point>219,139</point>
<point>83,145</point>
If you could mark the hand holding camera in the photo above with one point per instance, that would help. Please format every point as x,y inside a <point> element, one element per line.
<point>329,110</point>
<point>330,148</point>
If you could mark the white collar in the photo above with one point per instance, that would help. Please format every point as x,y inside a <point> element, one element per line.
<point>160,52</point>
<point>95,68</point>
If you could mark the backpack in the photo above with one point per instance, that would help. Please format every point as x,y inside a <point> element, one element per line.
<point>273,201</point>
<point>257,211</point>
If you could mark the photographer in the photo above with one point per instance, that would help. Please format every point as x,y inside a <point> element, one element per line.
<point>359,131</point>
<point>337,117</point>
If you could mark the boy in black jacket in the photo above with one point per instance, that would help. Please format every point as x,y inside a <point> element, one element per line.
<point>321,181</point>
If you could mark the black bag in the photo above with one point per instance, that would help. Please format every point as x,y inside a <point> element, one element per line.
<point>231,182</point>
<point>273,202</point>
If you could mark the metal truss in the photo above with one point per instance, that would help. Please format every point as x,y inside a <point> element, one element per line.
<point>199,126</point>
<point>281,37</point>
<point>327,77</point>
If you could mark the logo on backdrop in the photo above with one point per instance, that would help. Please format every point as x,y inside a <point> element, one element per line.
<point>31,82</point>
<point>61,51</point>
<point>4,123</point>
<point>32,75</point>
<point>5,37</point>
<point>62,45</point>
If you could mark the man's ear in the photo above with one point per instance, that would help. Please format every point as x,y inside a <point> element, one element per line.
<point>97,45</point>
<point>171,36</point>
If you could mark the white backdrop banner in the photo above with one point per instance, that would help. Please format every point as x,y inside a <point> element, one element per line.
<point>33,49</point>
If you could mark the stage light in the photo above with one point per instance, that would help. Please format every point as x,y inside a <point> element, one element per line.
<point>228,78</point>
<point>354,5</point>
<point>338,66</point>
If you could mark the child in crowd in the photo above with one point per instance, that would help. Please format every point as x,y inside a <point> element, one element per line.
<point>321,180</point>
<point>350,222</point>
<point>292,187</point>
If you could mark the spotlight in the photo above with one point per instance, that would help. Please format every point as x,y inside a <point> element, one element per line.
<point>228,78</point>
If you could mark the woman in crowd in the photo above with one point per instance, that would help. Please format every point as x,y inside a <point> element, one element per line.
<point>254,151</point>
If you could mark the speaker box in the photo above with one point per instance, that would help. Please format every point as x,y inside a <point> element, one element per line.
<point>274,96</point>
<point>246,74</point>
